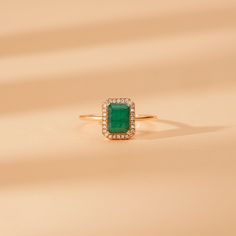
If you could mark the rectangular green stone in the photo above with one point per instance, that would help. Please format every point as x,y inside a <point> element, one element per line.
<point>118,118</point>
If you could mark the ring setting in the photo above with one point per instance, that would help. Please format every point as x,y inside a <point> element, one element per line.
<point>118,118</point>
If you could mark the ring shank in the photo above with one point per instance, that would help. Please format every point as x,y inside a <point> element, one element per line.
<point>99,118</point>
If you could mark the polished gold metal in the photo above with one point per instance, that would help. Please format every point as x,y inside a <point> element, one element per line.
<point>99,118</point>
<point>104,118</point>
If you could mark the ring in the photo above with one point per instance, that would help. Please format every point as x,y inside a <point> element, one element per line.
<point>118,118</point>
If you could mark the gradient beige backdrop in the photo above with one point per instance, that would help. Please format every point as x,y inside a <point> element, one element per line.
<point>59,59</point>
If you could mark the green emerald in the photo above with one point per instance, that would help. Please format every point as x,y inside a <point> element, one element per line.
<point>118,118</point>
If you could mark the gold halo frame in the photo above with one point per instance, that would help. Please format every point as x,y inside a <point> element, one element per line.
<point>118,136</point>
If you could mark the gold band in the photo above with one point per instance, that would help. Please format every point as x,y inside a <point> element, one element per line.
<point>99,118</point>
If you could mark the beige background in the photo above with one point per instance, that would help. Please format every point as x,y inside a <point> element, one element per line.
<point>59,176</point>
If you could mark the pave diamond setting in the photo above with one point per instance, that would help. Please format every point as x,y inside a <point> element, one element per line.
<point>118,115</point>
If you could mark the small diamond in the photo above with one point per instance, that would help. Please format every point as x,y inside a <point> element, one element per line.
<point>130,118</point>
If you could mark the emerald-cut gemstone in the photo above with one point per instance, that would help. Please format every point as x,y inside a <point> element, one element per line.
<point>118,118</point>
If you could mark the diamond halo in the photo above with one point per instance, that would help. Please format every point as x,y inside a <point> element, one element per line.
<point>118,136</point>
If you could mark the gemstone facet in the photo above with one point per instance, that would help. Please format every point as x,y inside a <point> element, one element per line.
<point>118,118</point>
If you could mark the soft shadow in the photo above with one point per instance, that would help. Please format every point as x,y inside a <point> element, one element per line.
<point>68,89</point>
<point>115,31</point>
<point>78,166</point>
<point>181,129</point>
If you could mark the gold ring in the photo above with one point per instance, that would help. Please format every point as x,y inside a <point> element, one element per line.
<point>118,118</point>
